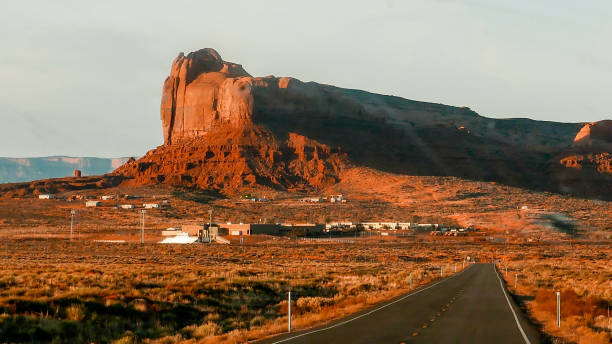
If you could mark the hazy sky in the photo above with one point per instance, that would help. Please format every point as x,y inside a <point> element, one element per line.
<point>84,78</point>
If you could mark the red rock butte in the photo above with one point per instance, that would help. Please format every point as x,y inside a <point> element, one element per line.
<point>203,93</point>
<point>225,130</point>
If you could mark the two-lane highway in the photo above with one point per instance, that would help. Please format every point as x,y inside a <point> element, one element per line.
<point>469,307</point>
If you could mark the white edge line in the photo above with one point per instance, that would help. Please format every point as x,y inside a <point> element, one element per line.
<point>372,311</point>
<point>510,305</point>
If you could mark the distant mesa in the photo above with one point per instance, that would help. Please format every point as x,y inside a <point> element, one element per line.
<point>27,169</point>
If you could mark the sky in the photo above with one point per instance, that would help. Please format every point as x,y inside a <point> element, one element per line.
<point>84,78</point>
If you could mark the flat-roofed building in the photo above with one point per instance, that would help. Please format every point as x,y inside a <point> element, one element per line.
<point>251,228</point>
<point>91,204</point>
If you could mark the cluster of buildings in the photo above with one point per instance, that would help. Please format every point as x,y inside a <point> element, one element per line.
<point>214,232</point>
<point>331,199</point>
<point>253,198</point>
<point>163,204</point>
<point>93,201</point>
<point>382,226</point>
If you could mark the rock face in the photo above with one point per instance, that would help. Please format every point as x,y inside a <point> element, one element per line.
<point>598,134</point>
<point>585,168</point>
<point>204,92</point>
<point>598,162</point>
<point>212,142</point>
<point>227,159</point>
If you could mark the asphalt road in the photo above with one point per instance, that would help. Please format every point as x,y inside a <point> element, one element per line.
<point>469,307</point>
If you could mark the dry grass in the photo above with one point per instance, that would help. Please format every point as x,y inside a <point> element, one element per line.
<point>207,293</point>
<point>88,292</point>
<point>581,272</point>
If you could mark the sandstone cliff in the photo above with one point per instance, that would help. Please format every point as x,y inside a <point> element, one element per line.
<point>204,92</point>
<point>224,129</point>
<point>585,168</point>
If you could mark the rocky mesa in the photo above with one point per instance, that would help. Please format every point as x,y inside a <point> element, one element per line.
<point>225,130</point>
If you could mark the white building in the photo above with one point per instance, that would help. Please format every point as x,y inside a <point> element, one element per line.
<point>371,225</point>
<point>107,197</point>
<point>46,196</point>
<point>151,206</point>
<point>126,206</point>
<point>93,203</point>
<point>403,225</point>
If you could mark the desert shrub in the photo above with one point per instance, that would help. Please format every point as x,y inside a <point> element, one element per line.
<point>128,338</point>
<point>202,331</point>
<point>586,336</point>
<point>75,312</point>
<point>312,304</point>
<point>257,321</point>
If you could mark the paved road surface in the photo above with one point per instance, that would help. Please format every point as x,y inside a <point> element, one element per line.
<point>469,307</point>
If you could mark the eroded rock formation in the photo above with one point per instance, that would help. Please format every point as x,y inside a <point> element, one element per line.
<point>212,142</point>
<point>203,92</point>
<point>598,134</point>
<point>227,159</point>
<point>225,130</point>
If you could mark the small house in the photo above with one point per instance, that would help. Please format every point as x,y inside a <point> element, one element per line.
<point>126,206</point>
<point>93,203</point>
<point>46,196</point>
<point>151,205</point>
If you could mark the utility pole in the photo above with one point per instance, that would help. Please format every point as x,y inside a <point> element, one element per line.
<point>209,218</point>
<point>142,224</point>
<point>289,313</point>
<point>455,268</point>
<point>411,289</point>
<point>559,309</point>
<point>440,272</point>
<point>72,212</point>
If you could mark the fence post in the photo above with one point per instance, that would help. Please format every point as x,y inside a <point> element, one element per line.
<point>515,280</point>
<point>289,313</point>
<point>559,309</point>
